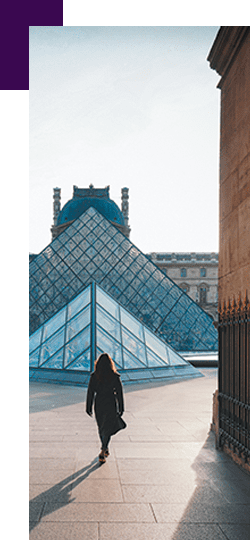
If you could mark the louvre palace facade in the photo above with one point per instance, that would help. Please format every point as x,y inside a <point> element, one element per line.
<point>195,273</point>
<point>92,290</point>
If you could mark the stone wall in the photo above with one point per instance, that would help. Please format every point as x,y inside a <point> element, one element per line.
<point>234,259</point>
<point>230,57</point>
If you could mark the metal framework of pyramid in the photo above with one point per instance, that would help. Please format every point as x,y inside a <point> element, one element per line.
<point>92,249</point>
<point>65,347</point>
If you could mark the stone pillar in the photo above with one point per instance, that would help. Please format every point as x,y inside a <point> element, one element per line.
<point>125,205</point>
<point>56,210</point>
<point>56,204</point>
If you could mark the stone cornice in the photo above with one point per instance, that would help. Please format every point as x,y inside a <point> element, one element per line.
<point>225,49</point>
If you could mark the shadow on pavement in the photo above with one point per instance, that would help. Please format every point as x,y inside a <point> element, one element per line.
<point>220,505</point>
<point>59,495</point>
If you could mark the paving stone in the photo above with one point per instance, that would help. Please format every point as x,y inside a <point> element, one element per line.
<point>197,513</point>
<point>149,437</point>
<point>51,531</point>
<point>62,450</point>
<point>41,436</point>
<point>98,512</point>
<point>50,476</point>
<point>52,463</point>
<point>196,531</point>
<point>140,531</point>
<point>152,494</point>
<point>99,490</point>
<point>63,531</point>
<point>110,470</point>
<point>158,465</point>
<point>144,451</point>
<point>50,492</point>
<point>35,510</point>
<point>175,479</point>
<point>236,531</point>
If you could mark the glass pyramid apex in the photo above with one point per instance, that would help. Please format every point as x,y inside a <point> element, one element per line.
<point>91,323</point>
<point>92,249</point>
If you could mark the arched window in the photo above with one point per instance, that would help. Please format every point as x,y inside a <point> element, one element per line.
<point>185,287</point>
<point>203,294</point>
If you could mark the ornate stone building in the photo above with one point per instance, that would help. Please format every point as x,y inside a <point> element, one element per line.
<point>195,273</point>
<point>85,198</point>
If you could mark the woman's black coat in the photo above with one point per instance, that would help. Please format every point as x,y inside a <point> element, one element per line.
<point>108,402</point>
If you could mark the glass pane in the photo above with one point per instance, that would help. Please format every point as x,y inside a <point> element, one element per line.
<point>208,339</point>
<point>52,345</point>
<point>155,321</point>
<point>130,362</point>
<point>132,324</point>
<point>185,301</point>
<point>34,358</point>
<point>176,293</point>
<point>134,345</point>
<point>179,309</point>
<point>188,320</point>
<point>77,345</point>
<point>82,363</point>
<point>154,360</point>
<point>53,324</point>
<point>108,323</point>
<point>35,339</point>
<point>198,328</point>
<point>79,303</point>
<point>172,320</point>
<point>174,358</point>
<point>56,362</point>
<point>155,344</point>
<point>108,304</point>
<point>78,323</point>
<point>106,344</point>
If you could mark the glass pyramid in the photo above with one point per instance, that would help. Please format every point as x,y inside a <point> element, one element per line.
<point>92,249</point>
<point>66,346</point>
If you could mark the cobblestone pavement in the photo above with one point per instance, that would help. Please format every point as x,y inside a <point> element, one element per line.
<point>163,479</point>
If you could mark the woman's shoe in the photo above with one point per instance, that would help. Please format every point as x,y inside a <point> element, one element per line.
<point>102,457</point>
<point>106,453</point>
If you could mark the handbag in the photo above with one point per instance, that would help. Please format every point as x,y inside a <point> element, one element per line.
<point>118,424</point>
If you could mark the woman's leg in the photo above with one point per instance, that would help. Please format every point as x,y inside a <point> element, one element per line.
<point>105,442</point>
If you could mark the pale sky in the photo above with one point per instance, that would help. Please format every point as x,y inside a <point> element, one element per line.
<point>132,107</point>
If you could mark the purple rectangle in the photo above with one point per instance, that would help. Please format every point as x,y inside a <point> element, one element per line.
<point>16,18</point>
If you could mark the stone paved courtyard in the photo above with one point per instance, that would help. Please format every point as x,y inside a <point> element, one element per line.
<point>163,480</point>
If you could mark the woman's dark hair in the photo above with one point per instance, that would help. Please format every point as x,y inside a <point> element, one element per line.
<point>104,367</point>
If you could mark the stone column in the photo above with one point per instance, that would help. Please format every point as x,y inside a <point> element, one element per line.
<point>56,204</point>
<point>56,210</point>
<point>125,205</point>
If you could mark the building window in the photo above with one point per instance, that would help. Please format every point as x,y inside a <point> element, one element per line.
<point>203,272</point>
<point>203,294</point>
<point>183,272</point>
<point>185,287</point>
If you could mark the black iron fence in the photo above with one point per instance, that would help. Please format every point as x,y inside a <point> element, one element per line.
<point>234,376</point>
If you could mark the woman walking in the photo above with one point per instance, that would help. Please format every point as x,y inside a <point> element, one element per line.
<point>105,389</point>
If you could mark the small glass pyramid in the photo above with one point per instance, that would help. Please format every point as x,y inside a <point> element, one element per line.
<point>93,322</point>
